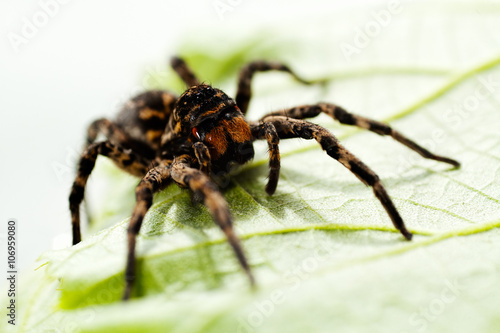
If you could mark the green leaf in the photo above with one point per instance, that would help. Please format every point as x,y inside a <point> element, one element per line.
<point>324,252</point>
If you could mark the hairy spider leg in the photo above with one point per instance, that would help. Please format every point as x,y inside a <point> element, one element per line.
<point>268,131</point>
<point>297,128</point>
<point>126,160</point>
<point>158,178</point>
<point>183,70</point>
<point>110,130</point>
<point>347,118</point>
<point>186,176</point>
<point>244,92</point>
<point>155,180</point>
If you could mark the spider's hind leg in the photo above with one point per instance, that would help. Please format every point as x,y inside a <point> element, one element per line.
<point>295,128</point>
<point>105,126</point>
<point>186,74</point>
<point>347,118</point>
<point>126,160</point>
<point>244,92</point>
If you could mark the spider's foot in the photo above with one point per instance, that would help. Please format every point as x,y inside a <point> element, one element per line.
<point>456,164</point>
<point>251,279</point>
<point>271,186</point>
<point>126,293</point>
<point>77,237</point>
<point>408,235</point>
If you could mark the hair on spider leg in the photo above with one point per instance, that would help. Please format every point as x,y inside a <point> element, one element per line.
<point>196,198</point>
<point>194,140</point>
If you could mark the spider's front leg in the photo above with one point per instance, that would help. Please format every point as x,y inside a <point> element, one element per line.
<point>186,176</point>
<point>155,180</point>
<point>268,131</point>
<point>126,160</point>
<point>295,128</point>
<point>347,118</point>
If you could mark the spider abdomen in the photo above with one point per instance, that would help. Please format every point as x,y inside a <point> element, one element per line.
<point>144,117</point>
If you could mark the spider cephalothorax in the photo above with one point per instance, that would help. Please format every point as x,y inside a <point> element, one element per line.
<point>194,138</point>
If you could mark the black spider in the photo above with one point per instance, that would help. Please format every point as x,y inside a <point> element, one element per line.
<point>190,139</point>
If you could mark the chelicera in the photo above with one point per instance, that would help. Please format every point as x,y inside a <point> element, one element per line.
<point>194,138</point>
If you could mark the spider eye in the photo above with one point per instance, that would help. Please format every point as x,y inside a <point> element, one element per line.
<point>195,133</point>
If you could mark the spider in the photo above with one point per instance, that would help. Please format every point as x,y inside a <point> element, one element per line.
<point>191,139</point>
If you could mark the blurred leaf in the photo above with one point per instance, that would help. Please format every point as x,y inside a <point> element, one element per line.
<point>218,65</point>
